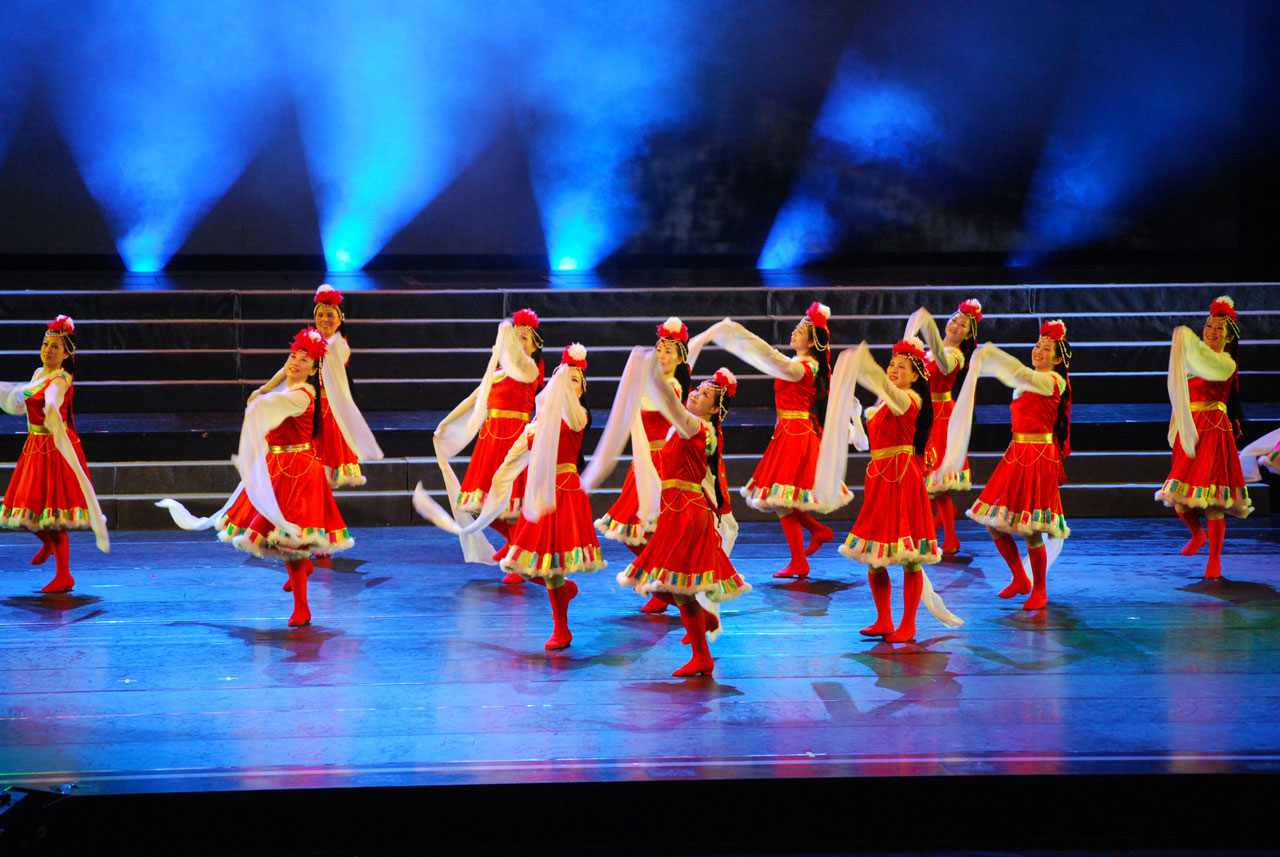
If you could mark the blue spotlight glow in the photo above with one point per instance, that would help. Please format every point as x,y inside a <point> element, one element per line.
<point>601,78</point>
<point>567,264</point>
<point>394,99</point>
<point>865,120</point>
<point>163,105</point>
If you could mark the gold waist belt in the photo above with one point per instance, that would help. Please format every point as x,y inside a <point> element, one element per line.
<point>682,484</point>
<point>566,468</point>
<point>793,415</point>
<point>891,451</point>
<point>297,447</point>
<point>499,414</point>
<point>1041,437</point>
<point>655,445</point>
<point>37,429</point>
<point>1197,407</point>
<point>941,397</point>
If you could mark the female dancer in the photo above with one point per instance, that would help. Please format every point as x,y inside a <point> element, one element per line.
<point>684,556</point>
<point>500,410</point>
<point>947,356</point>
<point>783,481</point>
<point>50,492</point>
<point>284,507</point>
<point>345,439</point>
<point>894,525</point>
<point>1206,471</point>
<point>1022,497</point>
<point>622,522</point>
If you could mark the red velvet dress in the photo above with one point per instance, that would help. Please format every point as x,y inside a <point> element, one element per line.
<point>941,390</point>
<point>340,459</point>
<point>622,522</point>
<point>783,480</point>
<point>684,553</point>
<point>1213,479</point>
<point>895,524</point>
<point>43,493</point>
<point>510,409</point>
<point>1022,497</point>
<point>564,541</point>
<point>303,494</point>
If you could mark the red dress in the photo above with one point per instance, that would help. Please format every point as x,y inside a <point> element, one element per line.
<point>335,455</point>
<point>940,389</point>
<point>560,542</point>
<point>684,554</point>
<point>510,409</point>
<point>43,493</point>
<point>622,522</point>
<point>1213,479</point>
<point>304,496</point>
<point>894,525</point>
<point>1022,497</point>
<point>783,480</point>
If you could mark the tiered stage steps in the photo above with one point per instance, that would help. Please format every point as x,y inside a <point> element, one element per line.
<point>165,364</point>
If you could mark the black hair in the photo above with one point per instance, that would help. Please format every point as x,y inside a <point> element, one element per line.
<point>317,421</point>
<point>1235,408</point>
<point>822,379</point>
<point>586,404</point>
<point>967,347</point>
<point>713,460</point>
<point>924,418</point>
<point>1062,425</point>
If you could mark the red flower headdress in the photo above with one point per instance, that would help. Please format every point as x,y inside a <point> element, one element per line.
<point>673,328</point>
<point>528,318</point>
<point>327,294</point>
<point>818,314</point>
<point>971,308</point>
<point>64,326</point>
<point>1056,329</point>
<point>574,355</point>
<point>1226,308</point>
<point>726,385</point>
<point>311,341</point>
<point>913,350</point>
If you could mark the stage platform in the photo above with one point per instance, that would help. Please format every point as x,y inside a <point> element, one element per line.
<point>166,690</point>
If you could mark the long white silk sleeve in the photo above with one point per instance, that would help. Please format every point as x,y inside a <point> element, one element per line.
<point>511,356</point>
<point>960,426</point>
<point>556,403</point>
<point>264,414</point>
<point>1011,372</point>
<point>697,343</point>
<point>753,350</point>
<point>62,442</point>
<point>333,374</point>
<point>624,422</point>
<point>1251,456</point>
<point>12,400</point>
<point>495,502</point>
<point>1188,355</point>
<point>838,426</point>
<point>944,355</point>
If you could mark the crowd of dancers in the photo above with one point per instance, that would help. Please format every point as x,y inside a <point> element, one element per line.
<point>527,481</point>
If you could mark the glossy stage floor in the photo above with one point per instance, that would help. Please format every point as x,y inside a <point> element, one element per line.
<point>169,672</point>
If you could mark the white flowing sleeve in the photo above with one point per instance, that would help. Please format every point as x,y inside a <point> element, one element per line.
<point>697,343</point>
<point>753,350</point>
<point>264,414</point>
<point>872,377</point>
<point>1250,456</point>
<point>555,404</point>
<point>62,442</point>
<point>11,399</point>
<point>838,426</point>
<point>960,425</point>
<point>511,356</point>
<point>1010,371</point>
<point>333,374</point>
<point>659,391</point>
<point>624,422</point>
<point>923,323</point>
<point>1188,355</point>
<point>495,502</point>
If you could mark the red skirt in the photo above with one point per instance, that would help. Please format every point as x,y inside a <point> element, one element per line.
<point>1022,496</point>
<point>339,460</point>
<point>622,522</point>
<point>43,493</point>
<point>305,499</point>
<point>783,481</point>
<point>684,555</point>
<point>559,543</point>
<point>895,524</point>
<point>497,434</point>
<point>1213,479</point>
<point>955,480</point>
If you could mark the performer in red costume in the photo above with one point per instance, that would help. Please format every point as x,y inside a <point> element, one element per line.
<point>554,537</point>
<point>783,481</point>
<point>499,410</point>
<point>1022,497</point>
<point>684,557</point>
<point>894,525</point>
<point>622,523</point>
<point>50,492</point>
<point>1204,389</point>
<point>344,439</point>
<point>947,355</point>
<point>284,507</point>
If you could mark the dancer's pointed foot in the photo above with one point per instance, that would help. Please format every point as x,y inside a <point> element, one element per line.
<point>1037,600</point>
<point>560,597</point>
<point>46,551</point>
<point>60,583</point>
<point>511,578</point>
<point>1020,585</point>
<point>1193,545</point>
<point>697,665</point>
<point>903,633</point>
<point>818,538</point>
<point>1213,570</point>
<point>559,639</point>
<point>879,628</point>
<point>301,616</point>
<point>796,568</point>
<point>654,605</point>
<point>951,548</point>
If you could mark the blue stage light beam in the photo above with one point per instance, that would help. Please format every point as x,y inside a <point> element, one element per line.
<point>1153,101</point>
<point>866,120</point>
<point>394,99</point>
<point>596,81</point>
<point>162,103</point>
